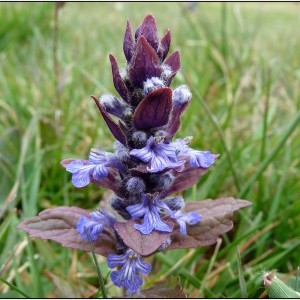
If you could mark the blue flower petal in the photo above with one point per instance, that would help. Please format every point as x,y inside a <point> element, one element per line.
<point>129,280</point>
<point>162,161</point>
<point>190,218</point>
<point>114,260</point>
<point>159,154</point>
<point>143,154</point>
<point>179,146</point>
<point>100,172</point>
<point>137,210</point>
<point>203,159</point>
<point>193,218</point>
<point>94,225</point>
<point>95,167</point>
<point>93,228</point>
<point>142,266</point>
<point>152,220</point>
<point>150,209</point>
<point>131,265</point>
<point>81,173</point>
<point>97,156</point>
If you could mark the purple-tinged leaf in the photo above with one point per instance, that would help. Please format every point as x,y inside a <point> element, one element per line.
<point>124,129</point>
<point>59,225</point>
<point>114,128</point>
<point>169,289</point>
<point>154,110</point>
<point>128,43</point>
<point>174,121</point>
<point>112,181</point>
<point>144,63</point>
<point>216,219</point>
<point>173,61</point>
<point>119,84</point>
<point>164,46</point>
<point>184,179</point>
<point>149,31</point>
<point>144,244</point>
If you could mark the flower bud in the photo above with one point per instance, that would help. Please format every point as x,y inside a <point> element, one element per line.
<point>114,106</point>
<point>162,181</point>
<point>135,186</point>
<point>152,84</point>
<point>181,95</point>
<point>121,151</point>
<point>121,247</point>
<point>139,138</point>
<point>160,134</point>
<point>174,203</point>
<point>119,205</point>
<point>166,73</point>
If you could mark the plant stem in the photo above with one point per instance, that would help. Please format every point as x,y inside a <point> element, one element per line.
<point>100,278</point>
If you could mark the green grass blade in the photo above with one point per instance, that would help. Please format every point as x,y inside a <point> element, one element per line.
<point>271,156</point>
<point>297,279</point>
<point>210,266</point>
<point>221,136</point>
<point>243,286</point>
<point>37,285</point>
<point>15,288</point>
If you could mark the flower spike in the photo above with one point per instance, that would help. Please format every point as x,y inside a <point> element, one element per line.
<point>145,172</point>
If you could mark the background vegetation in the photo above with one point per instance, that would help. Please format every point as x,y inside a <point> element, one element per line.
<point>242,64</point>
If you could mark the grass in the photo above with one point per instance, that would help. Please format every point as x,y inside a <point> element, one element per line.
<point>241,63</point>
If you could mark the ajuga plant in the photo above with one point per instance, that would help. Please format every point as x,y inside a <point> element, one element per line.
<point>147,171</point>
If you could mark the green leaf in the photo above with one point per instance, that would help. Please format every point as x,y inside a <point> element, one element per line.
<point>243,286</point>
<point>276,288</point>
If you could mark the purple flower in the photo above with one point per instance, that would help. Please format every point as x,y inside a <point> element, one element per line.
<point>159,154</point>
<point>82,171</point>
<point>131,265</point>
<point>95,167</point>
<point>203,159</point>
<point>190,218</point>
<point>150,209</point>
<point>94,225</point>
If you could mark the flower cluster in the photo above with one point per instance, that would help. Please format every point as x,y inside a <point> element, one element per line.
<point>145,157</point>
<point>146,167</point>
